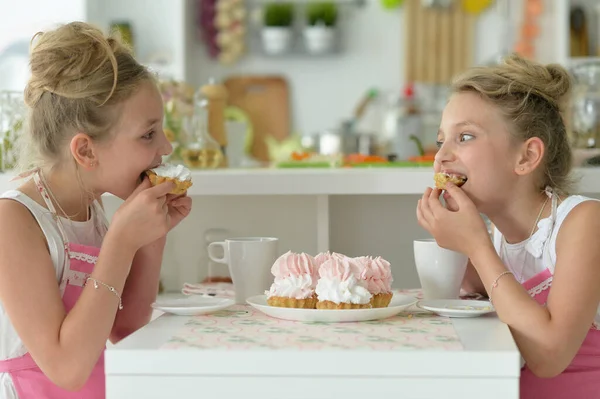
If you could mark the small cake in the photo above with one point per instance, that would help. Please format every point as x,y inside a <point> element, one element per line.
<point>340,286</point>
<point>377,273</point>
<point>295,281</point>
<point>178,174</point>
<point>325,256</point>
<point>441,178</point>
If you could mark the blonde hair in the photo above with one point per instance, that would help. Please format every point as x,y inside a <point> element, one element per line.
<point>532,97</point>
<point>78,75</point>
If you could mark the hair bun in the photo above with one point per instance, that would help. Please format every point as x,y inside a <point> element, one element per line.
<point>551,82</point>
<point>72,61</point>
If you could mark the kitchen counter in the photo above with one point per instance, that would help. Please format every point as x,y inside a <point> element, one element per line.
<point>335,181</point>
<point>241,353</point>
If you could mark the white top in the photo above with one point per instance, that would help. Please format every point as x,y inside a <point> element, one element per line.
<point>538,253</point>
<point>83,233</point>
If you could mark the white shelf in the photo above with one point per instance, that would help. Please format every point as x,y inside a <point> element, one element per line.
<point>377,181</point>
<point>311,181</point>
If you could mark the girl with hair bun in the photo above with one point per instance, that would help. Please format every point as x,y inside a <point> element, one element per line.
<point>68,281</point>
<point>503,131</point>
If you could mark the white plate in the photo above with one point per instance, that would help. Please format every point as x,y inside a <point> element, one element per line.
<point>456,307</point>
<point>398,304</point>
<point>192,305</point>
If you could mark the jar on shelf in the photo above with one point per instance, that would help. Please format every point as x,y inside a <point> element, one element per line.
<point>178,99</point>
<point>200,150</point>
<point>585,106</point>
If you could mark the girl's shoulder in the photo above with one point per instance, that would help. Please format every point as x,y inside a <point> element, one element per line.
<point>576,206</point>
<point>578,217</point>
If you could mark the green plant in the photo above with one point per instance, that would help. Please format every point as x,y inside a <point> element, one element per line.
<point>325,13</point>
<point>8,156</point>
<point>278,14</point>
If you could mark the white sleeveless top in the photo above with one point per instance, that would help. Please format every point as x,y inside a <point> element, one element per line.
<point>84,233</point>
<point>538,253</point>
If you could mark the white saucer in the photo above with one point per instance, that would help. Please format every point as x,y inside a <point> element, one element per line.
<point>398,304</point>
<point>456,307</point>
<point>192,305</point>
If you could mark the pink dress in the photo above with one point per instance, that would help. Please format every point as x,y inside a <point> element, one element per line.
<point>532,262</point>
<point>582,378</point>
<point>29,381</point>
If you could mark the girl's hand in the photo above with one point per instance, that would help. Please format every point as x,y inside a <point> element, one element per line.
<point>451,203</point>
<point>144,216</point>
<point>460,227</point>
<point>179,207</point>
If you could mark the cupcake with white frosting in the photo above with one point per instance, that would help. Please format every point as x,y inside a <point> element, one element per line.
<point>295,281</point>
<point>178,174</point>
<point>377,273</point>
<point>340,285</point>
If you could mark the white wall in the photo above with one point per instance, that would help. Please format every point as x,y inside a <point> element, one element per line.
<point>325,90</point>
<point>20,21</point>
<point>377,225</point>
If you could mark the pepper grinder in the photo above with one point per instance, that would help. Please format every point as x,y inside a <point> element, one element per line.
<point>216,95</point>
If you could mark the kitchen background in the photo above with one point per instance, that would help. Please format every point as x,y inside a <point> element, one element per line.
<point>366,90</point>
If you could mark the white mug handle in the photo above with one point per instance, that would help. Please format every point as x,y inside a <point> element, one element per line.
<point>225,258</point>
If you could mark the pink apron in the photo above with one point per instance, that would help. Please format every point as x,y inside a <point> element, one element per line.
<point>581,379</point>
<point>28,380</point>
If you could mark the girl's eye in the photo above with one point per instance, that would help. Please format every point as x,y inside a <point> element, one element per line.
<point>439,143</point>
<point>149,135</point>
<point>466,137</point>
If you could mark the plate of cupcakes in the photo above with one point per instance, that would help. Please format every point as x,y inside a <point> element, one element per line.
<point>331,288</point>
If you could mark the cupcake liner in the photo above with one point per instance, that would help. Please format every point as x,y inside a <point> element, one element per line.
<point>285,302</point>
<point>342,305</point>
<point>381,300</point>
<point>181,186</point>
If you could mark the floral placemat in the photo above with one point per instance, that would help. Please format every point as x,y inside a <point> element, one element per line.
<point>245,328</point>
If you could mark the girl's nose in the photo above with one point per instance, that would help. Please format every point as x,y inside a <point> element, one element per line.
<point>444,154</point>
<point>166,147</point>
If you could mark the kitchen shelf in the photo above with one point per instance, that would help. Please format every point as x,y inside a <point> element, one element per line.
<point>357,3</point>
<point>324,182</point>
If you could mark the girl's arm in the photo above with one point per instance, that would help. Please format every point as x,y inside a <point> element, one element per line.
<point>472,282</point>
<point>140,290</point>
<point>66,346</point>
<point>549,337</point>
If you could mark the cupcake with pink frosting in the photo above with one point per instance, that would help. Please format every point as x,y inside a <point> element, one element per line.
<point>377,273</point>
<point>340,285</point>
<point>296,276</point>
<point>325,256</point>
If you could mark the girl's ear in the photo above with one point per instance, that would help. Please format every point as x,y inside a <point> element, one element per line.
<point>531,155</point>
<point>82,150</point>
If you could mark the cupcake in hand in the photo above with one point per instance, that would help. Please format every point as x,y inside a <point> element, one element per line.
<point>340,286</point>
<point>295,281</point>
<point>178,174</point>
<point>377,273</point>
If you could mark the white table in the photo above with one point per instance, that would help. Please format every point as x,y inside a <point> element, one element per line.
<point>489,365</point>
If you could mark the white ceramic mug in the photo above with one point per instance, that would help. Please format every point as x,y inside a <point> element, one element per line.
<point>250,260</point>
<point>441,271</point>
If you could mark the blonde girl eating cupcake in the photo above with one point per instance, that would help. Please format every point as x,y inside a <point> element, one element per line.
<point>503,130</point>
<point>68,281</point>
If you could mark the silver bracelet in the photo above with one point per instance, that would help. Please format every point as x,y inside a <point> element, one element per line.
<point>111,289</point>
<point>495,283</point>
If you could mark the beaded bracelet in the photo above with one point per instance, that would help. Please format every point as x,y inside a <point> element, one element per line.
<point>495,283</point>
<point>111,289</point>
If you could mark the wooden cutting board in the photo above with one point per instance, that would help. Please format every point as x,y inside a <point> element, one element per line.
<point>265,99</point>
<point>438,42</point>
